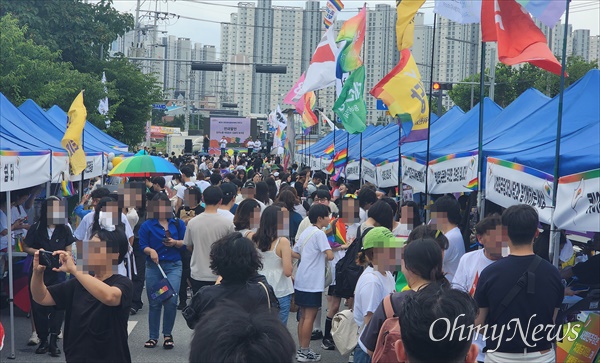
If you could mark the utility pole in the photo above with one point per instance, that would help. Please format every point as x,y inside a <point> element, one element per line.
<point>187,100</point>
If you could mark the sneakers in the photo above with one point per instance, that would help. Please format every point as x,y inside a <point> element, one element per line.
<point>316,335</point>
<point>309,356</point>
<point>33,340</point>
<point>328,344</point>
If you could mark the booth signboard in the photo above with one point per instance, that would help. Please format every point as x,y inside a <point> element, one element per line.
<point>387,174</point>
<point>369,172</point>
<point>413,173</point>
<point>509,183</point>
<point>23,169</point>
<point>578,202</point>
<point>453,174</point>
<point>352,170</point>
<point>237,131</point>
<point>581,342</point>
<point>60,167</point>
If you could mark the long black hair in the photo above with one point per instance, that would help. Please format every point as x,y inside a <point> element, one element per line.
<point>235,258</point>
<point>423,257</point>
<point>267,230</point>
<point>42,223</point>
<point>243,214</point>
<point>101,204</point>
<point>262,192</point>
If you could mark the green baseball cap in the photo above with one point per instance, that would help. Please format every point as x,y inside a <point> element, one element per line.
<point>382,237</point>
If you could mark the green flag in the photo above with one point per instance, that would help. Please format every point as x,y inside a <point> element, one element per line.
<point>350,105</point>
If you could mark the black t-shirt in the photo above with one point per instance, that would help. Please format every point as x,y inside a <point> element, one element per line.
<point>371,332</point>
<point>588,272</point>
<point>494,284</point>
<point>37,237</point>
<point>94,332</point>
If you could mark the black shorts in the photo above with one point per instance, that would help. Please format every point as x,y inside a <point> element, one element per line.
<point>331,290</point>
<point>308,299</point>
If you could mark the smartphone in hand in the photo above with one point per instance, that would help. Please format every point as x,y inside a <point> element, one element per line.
<point>49,260</point>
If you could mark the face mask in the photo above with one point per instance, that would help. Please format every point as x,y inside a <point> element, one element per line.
<point>106,222</point>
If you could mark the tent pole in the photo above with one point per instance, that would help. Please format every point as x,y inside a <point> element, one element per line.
<point>348,152</point>
<point>400,194</point>
<point>427,198</point>
<point>554,236</point>
<point>11,287</point>
<point>360,173</point>
<point>480,137</point>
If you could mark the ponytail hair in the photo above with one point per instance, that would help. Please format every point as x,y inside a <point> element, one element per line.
<point>423,257</point>
<point>365,258</point>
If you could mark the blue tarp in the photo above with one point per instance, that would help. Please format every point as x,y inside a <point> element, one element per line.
<point>58,114</point>
<point>57,129</point>
<point>532,140</point>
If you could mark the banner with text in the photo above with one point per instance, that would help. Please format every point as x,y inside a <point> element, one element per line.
<point>387,175</point>
<point>24,169</point>
<point>413,173</point>
<point>454,173</point>
<point>60,167</point>
<point>509,183</point>
<point>352,170</point>
<point>578,202</point>
<point>235,130</point>
<point>369,172</point>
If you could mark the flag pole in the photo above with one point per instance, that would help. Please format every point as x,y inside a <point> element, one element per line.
<point>399,162</point>
<point>348,151</point>
<point>554,242</point>
<point>429,128</point>
<point>480,204</point>
<point>360,174</point>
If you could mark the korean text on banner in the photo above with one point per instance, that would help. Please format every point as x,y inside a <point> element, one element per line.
<point>453,173</point>
<point>578,202</point>
<point>331,9</point>
<point>23,169</point>
<point>72,139</point>
<point>387,175</point>
<point>352,170</point>
<point>235,130</point>
<point>413,173</point>
<point>369,172</point>
<point>508,183</point>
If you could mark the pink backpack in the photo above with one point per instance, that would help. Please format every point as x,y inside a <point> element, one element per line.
<point>385,351</point>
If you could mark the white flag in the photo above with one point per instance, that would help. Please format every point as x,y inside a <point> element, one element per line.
<point>321,71</point>
<point>329,122</point>
<point>103,106</point>
<point>460,11</point>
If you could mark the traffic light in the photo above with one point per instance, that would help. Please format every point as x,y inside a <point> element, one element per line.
<point>439,86</point>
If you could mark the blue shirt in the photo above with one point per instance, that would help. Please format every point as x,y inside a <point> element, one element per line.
<point>151,234</point>
<point>80,212</point>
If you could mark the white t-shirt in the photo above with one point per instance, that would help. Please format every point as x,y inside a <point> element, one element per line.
<point>83,231</point>
<point>466,277</point>
<point>181,191</point>
<point>257,144</point>
<point>225,213</point>
<point>202,184</point>
<point>362,215</point>
<point>223,143</point>
<point>311,246</point>
<point>456,249</point>
<point>250,144</point>
<point>372,287</point>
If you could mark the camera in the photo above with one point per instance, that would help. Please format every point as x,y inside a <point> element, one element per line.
<point>49,260</point>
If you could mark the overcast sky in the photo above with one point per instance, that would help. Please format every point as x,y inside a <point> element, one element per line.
<point>585,14</point>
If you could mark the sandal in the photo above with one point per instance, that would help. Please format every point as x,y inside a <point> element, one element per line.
<point>169,343</point>
<point>151,343</point>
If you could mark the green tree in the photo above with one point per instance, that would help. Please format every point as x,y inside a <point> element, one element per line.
<point>577,67</point>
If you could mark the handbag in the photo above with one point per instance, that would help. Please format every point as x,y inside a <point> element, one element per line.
<point>162,290</point>
<point>344,331</point>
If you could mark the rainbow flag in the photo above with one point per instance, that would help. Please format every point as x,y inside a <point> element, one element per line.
<point>330,169</point>
<point>338,174</point>
<point>331,9</point>
<point>546,11</point>
<point>304,108</point>
<point>353,31</point>
<point>473,184</point>
<point>337,235</point>
<point>340,158</point>
<point>329,150</point>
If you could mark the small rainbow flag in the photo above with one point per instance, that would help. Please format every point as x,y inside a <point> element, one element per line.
<point>340,158</point>
<point>159,292</point>
<point>337,233</point>
<point>473,184</point>
<point>330,169</point>
<point>338,4</point>
<point>329,150</point>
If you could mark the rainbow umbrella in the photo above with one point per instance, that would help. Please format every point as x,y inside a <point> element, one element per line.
<point>143,166</point>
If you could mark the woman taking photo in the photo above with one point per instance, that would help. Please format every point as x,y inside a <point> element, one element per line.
<point>247,217</point>
<point>161,238</point>
<point>276,255</point>
<point>50,233</point>
<point>96,302</point>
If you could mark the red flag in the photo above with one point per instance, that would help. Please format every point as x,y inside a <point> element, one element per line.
<point>519,39</point>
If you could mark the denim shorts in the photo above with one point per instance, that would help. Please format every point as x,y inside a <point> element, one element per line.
<point>308,299</point>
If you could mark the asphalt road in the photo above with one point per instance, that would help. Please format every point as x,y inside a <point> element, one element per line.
<point>138,334</point>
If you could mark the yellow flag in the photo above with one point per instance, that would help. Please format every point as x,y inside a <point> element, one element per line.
<point>72,139</point>
<point>405,23</point>
<point>403,92</point>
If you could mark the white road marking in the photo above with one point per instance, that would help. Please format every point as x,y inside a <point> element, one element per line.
<point>130,326</point>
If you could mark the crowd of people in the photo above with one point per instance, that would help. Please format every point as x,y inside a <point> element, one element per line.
<point>239,243</point>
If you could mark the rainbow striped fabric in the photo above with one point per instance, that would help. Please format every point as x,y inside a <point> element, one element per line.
<point>329,150</point>
<point>340,158</point>
<point>337,233</point>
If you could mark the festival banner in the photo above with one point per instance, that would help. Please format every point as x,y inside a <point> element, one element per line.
<point>331,9</point>
<point>24,169</point>
<point>369,172</point>
<point>387,174</point>
<point>350,106</point>
<point>72,140</point>
<point>453,173</point>
<point>352,170</point>
<point>413,173</point>
<point>235,130</point>
<point>60,166</point>
<point>508,183</point>
<point>578,202</point>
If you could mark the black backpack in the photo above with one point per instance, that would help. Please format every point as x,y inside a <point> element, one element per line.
<point>347,271</point>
